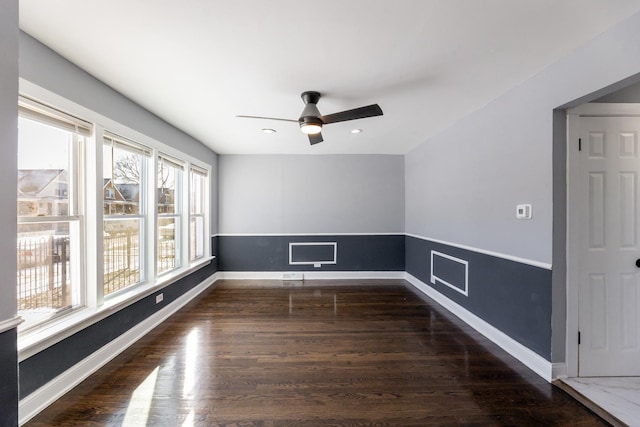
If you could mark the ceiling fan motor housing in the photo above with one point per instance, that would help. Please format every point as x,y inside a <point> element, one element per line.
<point>310,114</point>
<point>310,97</point>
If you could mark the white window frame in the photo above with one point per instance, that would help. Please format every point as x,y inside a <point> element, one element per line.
<point>79,129</point>
<point>195,170</point>
<point>32,341</point>
<point>142,216</point>
<point>178,215</point>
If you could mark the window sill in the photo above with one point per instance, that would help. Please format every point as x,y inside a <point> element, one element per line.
<point>39,338</point>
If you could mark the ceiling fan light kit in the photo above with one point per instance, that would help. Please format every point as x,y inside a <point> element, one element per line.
<point>310,128</point>
<point>311,121</point>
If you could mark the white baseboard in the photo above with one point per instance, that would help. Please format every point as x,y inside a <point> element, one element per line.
<point>340,275</point>
<point>532,360</point>
<point>312,275</point>
<point>250,275</point>
<point>559,370</point>
<point>31,405</point>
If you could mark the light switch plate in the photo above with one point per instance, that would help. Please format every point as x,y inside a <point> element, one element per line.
<point>523,211</point>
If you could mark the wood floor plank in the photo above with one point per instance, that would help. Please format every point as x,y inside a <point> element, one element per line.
<point>329,353</point>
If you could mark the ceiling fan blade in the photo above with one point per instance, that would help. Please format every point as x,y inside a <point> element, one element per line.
<point>267,118</point>
<point>356,113</point>
<point>315,138</point>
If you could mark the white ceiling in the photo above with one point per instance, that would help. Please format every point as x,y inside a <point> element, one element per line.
<point>428,63</point>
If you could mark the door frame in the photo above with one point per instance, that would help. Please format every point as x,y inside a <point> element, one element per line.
<point>573,227</point>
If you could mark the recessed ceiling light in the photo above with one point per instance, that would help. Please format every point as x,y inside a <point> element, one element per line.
<point>267,130</point>
<point>356,130</point>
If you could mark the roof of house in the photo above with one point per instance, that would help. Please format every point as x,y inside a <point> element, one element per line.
<point>33,181</point>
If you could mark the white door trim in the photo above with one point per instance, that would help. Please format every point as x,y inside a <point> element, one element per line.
<point>573,226</point>
<point>604,109</point>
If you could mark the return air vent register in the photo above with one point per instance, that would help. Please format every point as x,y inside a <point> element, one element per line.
<point>313,253</point>
<point>450,271</point>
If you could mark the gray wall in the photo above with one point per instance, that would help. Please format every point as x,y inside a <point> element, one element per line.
<point>9,158</point>
<point>630,94</point>
<point>463,185</point>
<point>8,183</point>
<point>513,297</point>
<point>43,67</point>
<point>284,194</point>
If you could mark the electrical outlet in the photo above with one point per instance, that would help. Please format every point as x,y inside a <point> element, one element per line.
<point>159,298</point>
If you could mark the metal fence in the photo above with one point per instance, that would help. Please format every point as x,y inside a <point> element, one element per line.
<point>166,255</point>
<point>121,260</point>
<point>43,277</point>
<point>43,273</point>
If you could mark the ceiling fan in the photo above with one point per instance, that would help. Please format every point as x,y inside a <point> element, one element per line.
<point>311,121</point>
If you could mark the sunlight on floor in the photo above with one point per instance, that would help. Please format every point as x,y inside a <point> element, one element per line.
<point>141,400</point>
<point>191,362</point>
<point>189,421</point>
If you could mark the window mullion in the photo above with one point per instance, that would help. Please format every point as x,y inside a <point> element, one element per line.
<point>207,214</point>
<point>94,249</point>
<point>186,215</point>
<point>152,215</point>
<point>182,212</point>
<point>78,210</point>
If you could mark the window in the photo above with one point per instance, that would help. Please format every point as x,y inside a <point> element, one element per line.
<point>124,178</point>
<point>169,197</point>
<point>49,276</point>
<point>102,218</point>
<point>197,199</point>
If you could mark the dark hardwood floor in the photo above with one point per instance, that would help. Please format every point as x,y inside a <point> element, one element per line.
<point>348,353</point>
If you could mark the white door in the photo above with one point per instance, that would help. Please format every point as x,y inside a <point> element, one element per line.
<point>609,319</point>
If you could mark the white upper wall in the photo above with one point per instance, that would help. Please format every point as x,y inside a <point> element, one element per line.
<point>463,185</point>
<point>9,158</point>
<point>291,194</point>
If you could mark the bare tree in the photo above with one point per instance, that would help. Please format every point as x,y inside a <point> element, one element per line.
<point>163,176</point>
<point>126,170</point>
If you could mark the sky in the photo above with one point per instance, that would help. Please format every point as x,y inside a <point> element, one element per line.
<point>41,146</point>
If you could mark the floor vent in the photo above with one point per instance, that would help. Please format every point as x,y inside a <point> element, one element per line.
<point>292,276</point>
